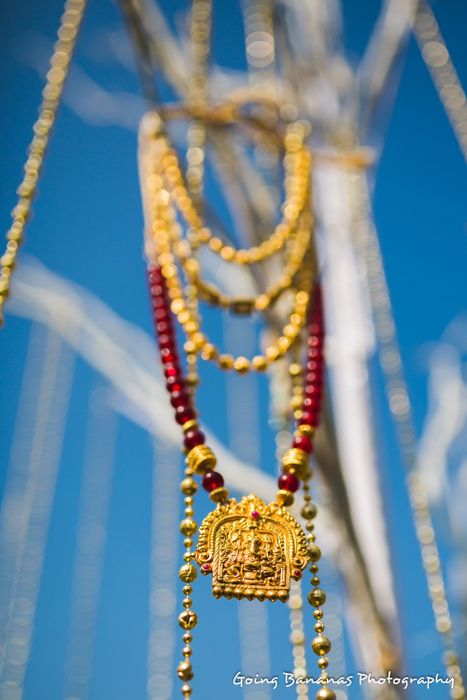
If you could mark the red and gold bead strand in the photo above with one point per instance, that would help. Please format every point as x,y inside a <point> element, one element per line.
<point>295,466</point>
<point>199,459</point>
<point>307,423</point>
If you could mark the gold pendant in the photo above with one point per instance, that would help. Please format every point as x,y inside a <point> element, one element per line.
<point>251,549</point>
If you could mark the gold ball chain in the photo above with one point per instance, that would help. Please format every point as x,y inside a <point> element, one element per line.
<point>321,644</point>
<point>159,248</point>
<point>59,64</point>
<point>299,244</point>
<point>187,619</point>
<point>297,163</point>
<point>300,241</point>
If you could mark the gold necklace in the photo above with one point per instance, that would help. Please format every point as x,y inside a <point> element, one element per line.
<point>68,31</point>
<point>297,166</point>
<point>160,223</point>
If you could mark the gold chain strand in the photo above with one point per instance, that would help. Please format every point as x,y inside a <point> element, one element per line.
<point>187,573</point>
<point>242,305</point>
<point>297,639</point>
<point>161,218</point>
<point>401,411</point>
<point>59,64</point>
<point>299,245</point>
<point>201,19</point>
<point>321,644</point>
<point>436,56</point>
<point>297,165</point>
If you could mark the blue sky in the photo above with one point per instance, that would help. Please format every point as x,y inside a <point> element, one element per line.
<point>87,227</point>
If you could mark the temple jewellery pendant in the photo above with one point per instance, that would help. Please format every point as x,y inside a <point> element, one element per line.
<point>251,549</point>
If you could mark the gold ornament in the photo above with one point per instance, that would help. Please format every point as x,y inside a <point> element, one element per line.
<point>251,549</point>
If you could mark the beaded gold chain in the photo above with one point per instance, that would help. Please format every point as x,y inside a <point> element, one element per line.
<point>163,231</point>
<point>70,24</point>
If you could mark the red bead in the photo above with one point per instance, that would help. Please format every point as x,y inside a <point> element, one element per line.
<point>314,366</point>
<point>303,442</point>
<point>158,291</point>
<point>315,329</point>
<point>212,481</point>
<point>312,390</point>
<point>172,371</point>
<point>164,327</point>
<point>315,341</point>
<point>193,438</point>
<point>155,275</point>
<point>158,303</point>
<point>169,357</point>
<point>313,378</point>
<point>184,414</point>
<point>179,398</point>
<point>161,315</point>
<point>309,418</point>
<point>315,354</point>
<point>288,482</point>
<point>311,403</point>
<point>174,384</point>
<point>166,342</point>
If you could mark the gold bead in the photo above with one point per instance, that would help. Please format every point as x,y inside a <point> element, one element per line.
<point>215,244</point>
<point>259,364</point>
<point>319,627</point>
<point>325,694</point>
<point>186,590</point>
<point>187,637</point>
<point>306,429</point>
<point>295,459</point>
<point>187,602</point>
<point>188,526</point>
<point>185,671</point>
<point>262,302</point>
<point>201,459</point>
<point>208,352</point>
<point>188,619</point>
<point>296,401</point>
<point>284,498</point>
<point>323,662</point>
<point>225,361</point>
<point>189,486</point>
<point>219,495</point>
<point>186,690</point>
<point>187,651</point>
<point>316,597</point>
<point>241,365</point>
<point>193,423</point>
<point>314,552</point>
<point>309,511</point>
<point>187,573</point>
<point>295,370</point>
<point>321,645</point>
<point>272,353</point>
